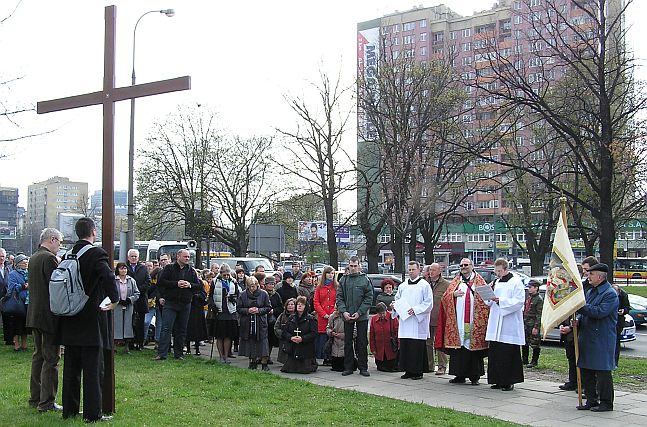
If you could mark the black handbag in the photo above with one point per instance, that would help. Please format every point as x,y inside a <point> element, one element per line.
<point>394,340</point>
<point>12,305</point>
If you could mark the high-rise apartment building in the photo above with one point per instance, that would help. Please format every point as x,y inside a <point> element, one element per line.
<point>505,35</point>
<point>8,217</point>
<point>55,195</point>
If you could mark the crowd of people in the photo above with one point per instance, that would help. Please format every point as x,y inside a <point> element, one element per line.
<point>427,324</point>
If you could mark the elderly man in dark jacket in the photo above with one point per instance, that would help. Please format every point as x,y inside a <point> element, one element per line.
<point>176,283</point>
<point>433,274</point>
<point>44,362</point>
<point>138,271</point>
<point>88,334</point>
<point>597,339</point>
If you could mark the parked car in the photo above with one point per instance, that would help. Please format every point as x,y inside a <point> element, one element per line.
<point>638,308</point>
<point>489,276</point>
<point>376,280</point>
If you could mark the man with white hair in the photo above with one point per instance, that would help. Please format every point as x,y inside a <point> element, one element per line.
<point>43,323</point>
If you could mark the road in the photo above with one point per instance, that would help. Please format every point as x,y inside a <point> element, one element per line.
<point>637,348</point>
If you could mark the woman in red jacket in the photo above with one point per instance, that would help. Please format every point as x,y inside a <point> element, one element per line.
<point>382,329</point>
<point>324,303</point>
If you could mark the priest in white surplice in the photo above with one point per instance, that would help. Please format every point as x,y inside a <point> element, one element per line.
<point>505,332</point>
<point>414,300</point>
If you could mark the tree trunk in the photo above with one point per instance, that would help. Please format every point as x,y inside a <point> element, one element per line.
<point>413,243</point>
<point>372,251</point>
<point>397,246</point>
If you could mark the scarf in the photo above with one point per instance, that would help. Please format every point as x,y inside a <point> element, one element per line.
<point>467,318</point>
<point>327,282</point>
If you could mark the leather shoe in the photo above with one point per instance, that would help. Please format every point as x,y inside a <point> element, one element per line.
<point>346,373</point>
<point>364,373</point>
<point>405,376</point>
<point>474,382</point>
<point>507,387</point>
<point>568,387</point>
<point>457,380</point>
<point>602,408</point>
<point>103,418</point>
<point>495,386</point>
<point>55,408</point>
<point>416,377</point>
<point>159,358</point>
<point>586,406</point>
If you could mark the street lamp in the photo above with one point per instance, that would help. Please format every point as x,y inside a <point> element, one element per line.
<point>130,235</point>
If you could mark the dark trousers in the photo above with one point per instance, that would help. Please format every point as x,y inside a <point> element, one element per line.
<point>44,371</point>
<point>569,346</point>
<point>358,348</point>
<point>7,330</point>
<point>138,328</point>
<point>594,381</point>
<point>176,319</point>
<point>89,361</point>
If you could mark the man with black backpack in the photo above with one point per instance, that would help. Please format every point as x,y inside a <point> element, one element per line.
<point>87,334</point>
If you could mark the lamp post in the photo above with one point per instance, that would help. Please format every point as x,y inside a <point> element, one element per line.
<point>130,235</point>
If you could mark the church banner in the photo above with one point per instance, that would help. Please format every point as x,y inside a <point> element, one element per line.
<point>564,291</point>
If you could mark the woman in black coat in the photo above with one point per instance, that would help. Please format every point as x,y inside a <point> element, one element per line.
<point>196,330</point>
<point>300,333</point>
<point>253,306</point>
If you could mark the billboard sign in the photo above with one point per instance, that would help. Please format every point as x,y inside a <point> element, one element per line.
<point>317,231</point>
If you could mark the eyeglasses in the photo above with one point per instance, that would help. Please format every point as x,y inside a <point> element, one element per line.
<point>465,265</point>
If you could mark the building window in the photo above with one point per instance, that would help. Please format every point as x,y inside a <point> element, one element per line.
<point>423,37</point>
<point>466,47</point>
<point>467,60</point>
<point>478,238</point>
<point>517,5</point>
<point>422,23</point>
<point>396,28</point>
<point>395,41</point>
<point>395,54</point>
<point>423,51</point>
<point>410,53</point>
<point>408,39</point>
<point>452,35</point>
<point>439,37</point>
<point>467,32</point>
<point>408,26</point>
<point>534,3</point>
<point>518,19</point>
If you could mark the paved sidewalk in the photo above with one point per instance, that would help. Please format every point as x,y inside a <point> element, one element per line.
<point>538,403</point>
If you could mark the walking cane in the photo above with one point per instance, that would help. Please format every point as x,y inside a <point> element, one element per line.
<point>577,357</point>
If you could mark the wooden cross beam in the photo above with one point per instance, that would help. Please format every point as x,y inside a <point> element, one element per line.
<point>107,97</point>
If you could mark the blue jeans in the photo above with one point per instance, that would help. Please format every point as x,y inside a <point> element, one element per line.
<point>158,323</point>
<point>176,318</point>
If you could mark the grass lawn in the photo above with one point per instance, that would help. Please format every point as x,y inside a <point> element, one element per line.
<point>636,290</point>
<point>631,373</point>
<point>198,392</point>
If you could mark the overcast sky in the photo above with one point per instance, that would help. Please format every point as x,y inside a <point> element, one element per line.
<point>241,56</point>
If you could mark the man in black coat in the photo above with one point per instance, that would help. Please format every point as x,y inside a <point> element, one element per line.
<point>138,271</point>
<point>176,283</point>
<point>623,308</point>
<point>88,334</point>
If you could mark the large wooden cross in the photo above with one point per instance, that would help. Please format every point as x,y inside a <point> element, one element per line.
<point>107,97</point>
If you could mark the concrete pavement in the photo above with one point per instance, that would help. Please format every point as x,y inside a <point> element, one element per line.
<point>537,403</point>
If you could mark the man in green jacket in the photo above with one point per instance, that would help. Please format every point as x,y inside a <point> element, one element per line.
<point>354,299</point>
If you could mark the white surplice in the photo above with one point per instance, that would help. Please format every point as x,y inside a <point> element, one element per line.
<point>460,311</point>
<point>505,323</point>
<point>420,297</point>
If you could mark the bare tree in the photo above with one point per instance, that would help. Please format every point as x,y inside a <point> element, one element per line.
<point>412,109</point>
<point>318,160</point>
<point>578,81</point>
<point>242,175</point>
<point>175,181</point>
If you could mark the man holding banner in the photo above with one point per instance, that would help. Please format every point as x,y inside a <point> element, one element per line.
<point>564,289</point>
<point>597,322</point>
